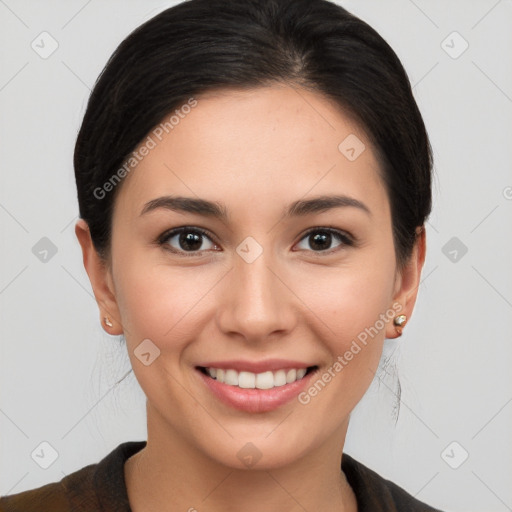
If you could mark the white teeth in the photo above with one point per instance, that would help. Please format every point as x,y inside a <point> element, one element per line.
<point>249,380</point>
<point>265,380</point>
<point>291,376</point>
<point>301,372</point>
<point>246,380</point>
<point>280,378</point>
<point>231,377</point>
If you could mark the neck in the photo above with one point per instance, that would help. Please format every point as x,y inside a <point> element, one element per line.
<point>171,475</point>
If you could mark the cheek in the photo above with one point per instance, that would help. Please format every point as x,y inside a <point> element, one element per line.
<point>351,299</point>
<point>166,306</point>
<point>160,302</point>
<point>348,310</point>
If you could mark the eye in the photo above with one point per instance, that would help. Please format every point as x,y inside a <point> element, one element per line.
<point>192,240</point>
<point>320,239</point>
<point>187,240</point>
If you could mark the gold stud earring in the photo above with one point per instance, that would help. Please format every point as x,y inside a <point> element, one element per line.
<point>107,321</point>
<point>399,323</point>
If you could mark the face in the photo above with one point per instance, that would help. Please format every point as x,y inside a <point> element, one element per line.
<point>266,278</point>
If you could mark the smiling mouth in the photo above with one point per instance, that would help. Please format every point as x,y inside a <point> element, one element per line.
<point>250,380</point>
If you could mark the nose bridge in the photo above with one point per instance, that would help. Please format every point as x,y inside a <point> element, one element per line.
<point>255,302</point>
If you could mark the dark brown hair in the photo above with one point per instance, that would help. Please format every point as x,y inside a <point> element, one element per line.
<point>201,45</point>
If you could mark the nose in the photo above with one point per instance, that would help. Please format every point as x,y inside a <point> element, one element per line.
<point>255,302</point>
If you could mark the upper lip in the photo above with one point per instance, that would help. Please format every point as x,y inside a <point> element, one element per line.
<point>269,365</point>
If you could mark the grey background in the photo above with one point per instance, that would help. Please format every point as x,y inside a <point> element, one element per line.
<point>58,368</point>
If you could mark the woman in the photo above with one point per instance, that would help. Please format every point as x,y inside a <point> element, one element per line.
<point>253,180</point>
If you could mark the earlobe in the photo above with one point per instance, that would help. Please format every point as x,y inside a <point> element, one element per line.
<point>399,323</point>
<point>407,286</point>
<point>99,276</point>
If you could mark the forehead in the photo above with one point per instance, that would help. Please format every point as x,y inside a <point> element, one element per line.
<point>260,146</point>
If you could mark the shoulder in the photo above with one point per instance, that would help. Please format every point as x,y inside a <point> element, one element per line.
<point>55,496</point>
<point>95,487</point>
<point>377,494</point>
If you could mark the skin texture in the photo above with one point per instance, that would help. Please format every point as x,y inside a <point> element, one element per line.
<point>254,151</point>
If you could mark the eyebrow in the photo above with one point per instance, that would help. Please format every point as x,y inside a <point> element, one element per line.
<point>299,208</point>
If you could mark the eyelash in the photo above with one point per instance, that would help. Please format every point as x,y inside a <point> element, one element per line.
<point>343,237</point>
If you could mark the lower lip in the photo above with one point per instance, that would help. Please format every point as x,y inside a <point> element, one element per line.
<point>255,400</point>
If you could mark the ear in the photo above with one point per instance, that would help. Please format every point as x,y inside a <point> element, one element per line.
<point>101,280</point>
<point>408,281</point>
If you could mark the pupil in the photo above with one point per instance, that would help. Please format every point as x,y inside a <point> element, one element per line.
<point>320,240</point>
<point>190,241</point>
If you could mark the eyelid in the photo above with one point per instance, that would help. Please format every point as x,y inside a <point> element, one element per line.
<point>174,231</point>
<point>170,233</point>
<point>329,229</point>
<point>343,236</point>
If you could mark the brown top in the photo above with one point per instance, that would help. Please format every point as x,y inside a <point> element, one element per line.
<point>101,487</point>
